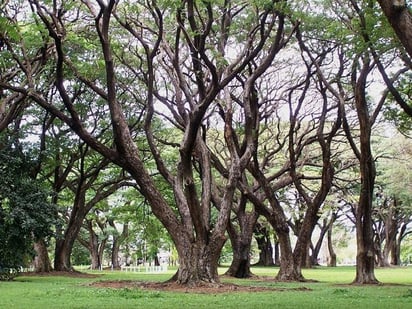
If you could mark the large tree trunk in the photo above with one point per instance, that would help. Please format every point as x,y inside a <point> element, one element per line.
<point>381,261</point>
<point>265,251</point>
<point>95,259</point>
<point>365,259</point>
<point>241,241</point>
<point>62,256</point>
<point>115,253</point>
<point>288,270</point>
<point>95,247</point>
<point>240,266</point>
<point>101,251</point>
<point>198,262</point>
<point>301,252</point>
<point>391,229</point>
<point>277,219</point>
<point>64,246</point>
<point>41,261</point>
<point>400,18</point>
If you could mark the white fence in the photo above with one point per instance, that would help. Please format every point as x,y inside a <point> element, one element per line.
<point>143,268</point>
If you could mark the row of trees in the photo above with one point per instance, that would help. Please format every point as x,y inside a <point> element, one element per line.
<point>217,113</point>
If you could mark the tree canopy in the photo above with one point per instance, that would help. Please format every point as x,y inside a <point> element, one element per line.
<point>26,213</point>
<point>215,112</point>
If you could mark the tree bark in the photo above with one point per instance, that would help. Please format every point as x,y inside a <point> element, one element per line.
<point>324,227</point>
<point>277,219</point>
<point>400,18</point>
<point>241,239</point>
<point>332,254</point>
<point>41,260</point>
<point>365,258</point>
<point>395,254</point>
<point>198,262</point>
<point>301,251</point>
<point>288,270</point>
<point>64,245</point>
<point>276,253</point>
<point>95,248</point>
<point>396,250</point>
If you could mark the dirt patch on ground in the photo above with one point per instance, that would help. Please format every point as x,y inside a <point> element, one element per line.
<point>206,288</point>
<point>174,287</point>
<point>74,274</point>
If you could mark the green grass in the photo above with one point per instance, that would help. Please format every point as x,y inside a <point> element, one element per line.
<point>332,290</point>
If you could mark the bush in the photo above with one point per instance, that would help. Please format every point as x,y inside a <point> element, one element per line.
<point>8,274</point>
<point>26,214</point>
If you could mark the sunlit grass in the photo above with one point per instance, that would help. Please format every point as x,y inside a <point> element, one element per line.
<point>330,288</point>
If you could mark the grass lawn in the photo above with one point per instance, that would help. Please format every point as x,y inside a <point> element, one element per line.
<point>332,290</point>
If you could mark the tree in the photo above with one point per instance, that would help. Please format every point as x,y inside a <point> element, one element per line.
<point>392,211</point>
<point>146,86</point>
<point>198,239</point>
<point>98,237</point>
<point>90,184</point>
<point>364,50</point>
<point>26,214</point>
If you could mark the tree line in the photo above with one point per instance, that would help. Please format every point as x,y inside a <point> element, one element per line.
<point>217,113</point>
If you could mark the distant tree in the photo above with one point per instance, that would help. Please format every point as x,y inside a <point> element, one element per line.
<point>262,234</point>
<point>363,49</point>
<point>96,227</point>
<point>393,198</point>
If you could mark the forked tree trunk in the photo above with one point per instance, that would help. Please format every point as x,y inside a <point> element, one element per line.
<point>240,266</point>
<point>198,263</point>
<point>301,253</point>
<point>288,270</point>
<point>64,246</point>
<point>241,242</point>
<point>277,219</point>
<point>62,256</point>
<point>41,260</point>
